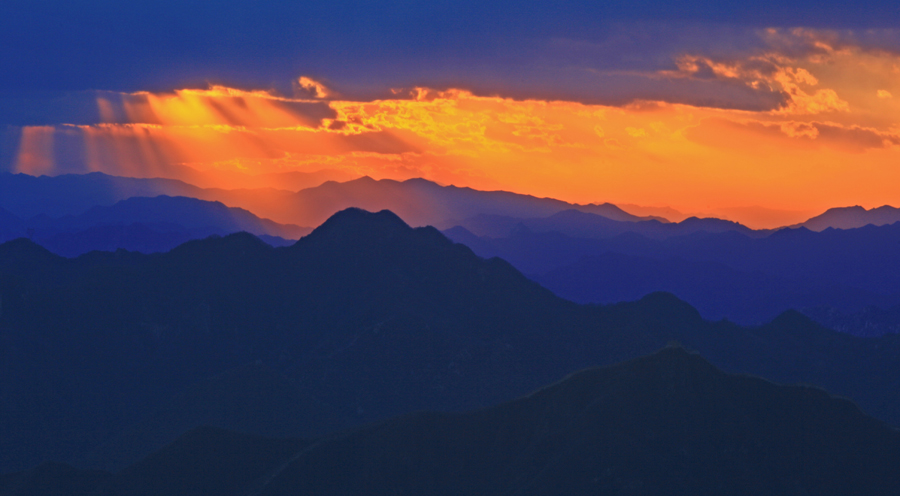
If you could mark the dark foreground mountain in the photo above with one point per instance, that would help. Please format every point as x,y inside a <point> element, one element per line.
<point>669,423</point>
<point>366,317</point>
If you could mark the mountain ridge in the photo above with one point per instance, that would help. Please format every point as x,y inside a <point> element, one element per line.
<point>373,321</point>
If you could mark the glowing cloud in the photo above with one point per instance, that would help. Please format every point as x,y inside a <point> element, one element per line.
<point>832,140</point>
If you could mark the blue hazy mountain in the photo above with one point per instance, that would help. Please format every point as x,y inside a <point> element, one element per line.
<point>667,423</point>
<point>725,275</point>
<point>143,224</point>
<point>578,224</point>
<point>72,194</point>
<point>870,321</point>
<point>365,315</point>
<point>852,217</point>
<point>419,201</point>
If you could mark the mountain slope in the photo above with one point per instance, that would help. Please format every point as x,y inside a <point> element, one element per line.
<point>418,201</point>
<point>725,275</point>
<point>422,202</point>
<point>366,315</point>
<point>144,224</point>
<point>250,398</point>
<point>189,213</point>
<point>587,225</point>
<point>852,217</point>
<point>669,423</point>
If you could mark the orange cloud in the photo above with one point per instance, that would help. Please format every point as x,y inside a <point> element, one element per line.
<point>833,140</point>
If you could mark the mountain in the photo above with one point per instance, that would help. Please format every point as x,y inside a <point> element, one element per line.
<point>577,224</point>
<point>145,224</point>
<point>204,461</point>
<point>868,322</point>
<point>71,194</point>
<point>188,213</point>
<point>725,275</point>
<point>754,217</point>
<point>51,478</point>
<point>421,202</point>
<point>670,423</point>
<point>251,398</point>
<point>852,217</point>
<point>667,423</point>
<point>366,316</point>
<point>11,226</point>
<point>227,179</point>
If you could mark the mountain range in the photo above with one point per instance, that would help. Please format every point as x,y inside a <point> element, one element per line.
<point>667,423</point>
<point>852,217</point>
<point>143,224</point>
<point>366,317</point>
<point>725,275</point>
<point>421,202</point>
<point>578,224</point>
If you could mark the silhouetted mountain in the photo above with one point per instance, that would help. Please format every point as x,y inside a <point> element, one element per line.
<point>366,315</point>
<point>578,224</point>
<point>852,217</point>
<point>71,194</point>
<point>726,275</point>
<point>250,398</point>
<point>669,423</point>
<point>422,202</point>
<point>225,179</point>
<point>418,201</point>
<point>187,213</point>
<point>11,227</point>
<point>870,321</point>
<point>205,461</point>
<point>145,224</point>
<point>50,478</point>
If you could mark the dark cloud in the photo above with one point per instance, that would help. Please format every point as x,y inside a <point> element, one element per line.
<point>162,44</point>
<point>809,135</point>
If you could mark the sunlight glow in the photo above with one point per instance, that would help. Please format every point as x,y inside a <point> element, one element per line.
<point>832,141</point>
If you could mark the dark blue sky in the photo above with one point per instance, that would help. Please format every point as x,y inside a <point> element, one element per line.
<point>367,46</point>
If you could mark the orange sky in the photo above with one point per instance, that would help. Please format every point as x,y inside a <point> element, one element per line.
<point>832,142</point>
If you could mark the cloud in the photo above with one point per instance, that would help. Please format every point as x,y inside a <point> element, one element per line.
<point>309,88</point>
<point>698,126</point>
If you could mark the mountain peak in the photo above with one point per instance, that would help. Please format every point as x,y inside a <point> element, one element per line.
<point>356,218</point>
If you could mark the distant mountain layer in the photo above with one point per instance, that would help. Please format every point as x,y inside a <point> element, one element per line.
<point>870,321</point>
<point>575,223</point>
<point>852,217</point>
<point>365,316</point>
<point>422,202</point>
<point>725,275</point>
<point>418,201</point>
<point>143,224</point>
<point>668,423</point>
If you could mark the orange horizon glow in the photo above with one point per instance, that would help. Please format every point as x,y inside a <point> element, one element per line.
<point>834,141</point>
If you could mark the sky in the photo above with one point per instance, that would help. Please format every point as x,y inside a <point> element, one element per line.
<point>762,112</point>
